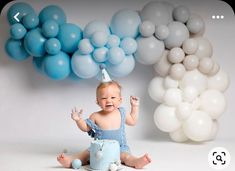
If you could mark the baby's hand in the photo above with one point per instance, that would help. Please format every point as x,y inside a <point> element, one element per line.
<point>75,115</point>
<point>134,101</point>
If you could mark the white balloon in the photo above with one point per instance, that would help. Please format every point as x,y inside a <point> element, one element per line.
<point>190,46</point>
<point>191,62</point>
<point>190,93</point>
<point>215,69</point>
<point>220,81</point>
<point>178,135</point>
<point>204,47</point>
<point>195,79</point>
<point>176,55</point>
<point>146,28</point>
<point>196,103</point>
<point>195,24</point>
<point>165,118</point>
<point>198,126</point>
<point>205,65</point>
<point>170,83</point>
<point>213,102</point>
<point>181,13</point>
<point>162,32</point>
<point>173,96</point>
<point>177,71</point>
<point>214,130</point>
<point>183,110</point>
<point>156,89</point>
<point>162,67</point>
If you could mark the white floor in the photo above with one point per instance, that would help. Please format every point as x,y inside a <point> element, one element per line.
<point>166,155</point>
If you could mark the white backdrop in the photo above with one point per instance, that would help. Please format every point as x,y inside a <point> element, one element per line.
<point>33,107</point>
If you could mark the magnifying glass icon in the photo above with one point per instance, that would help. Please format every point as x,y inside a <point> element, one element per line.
<point>219,158</point>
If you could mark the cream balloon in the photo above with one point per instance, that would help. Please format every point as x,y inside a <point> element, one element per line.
<point>215,69</point>
<point>220,81</point>
<point>205,65</point>
<point>198,126</point>
<point>190,46</point>
<point>156,89</point>
<point>191,62</point>
<point>173,96</point>
<point>183,110</point>
<point>162,67</point>
<point>176,55</point>
<point>204,47</point>
<point>213,102</point>
<point>170,83</point>
<point>177,71</point>
<point>178,135</point>
<point>190,93</point>
<point>196,103</point>
<point>165,118</point>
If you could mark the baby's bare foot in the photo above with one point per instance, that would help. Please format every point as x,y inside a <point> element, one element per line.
<point>142,161</point>
<point>65,161</point>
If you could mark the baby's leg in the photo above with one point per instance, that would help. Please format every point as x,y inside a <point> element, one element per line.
<point>136,162</point>
<point>66,161</point>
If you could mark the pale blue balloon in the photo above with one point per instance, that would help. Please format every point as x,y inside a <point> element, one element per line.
<point>69,35</point>
<point>50,28</point>
<point>15,49</point>
<point>17,31</point>
<point>52,12</point>
<point>30,21</point>
<point>99,39</point>
<point>113,41</point>
<point>115,55</point>
<point>122,69</point>
<point>38,64</point>
<point>52,46</point>
<point>34,43</point>
<point>76,164</point>
<point>100,54</point>
<point>57,67</point>
<point>95,26</point>
<point>125,23</point>
<point>129,45</point>
<point>20,7</point>
<point>84,66</point>
<point>85,47</point>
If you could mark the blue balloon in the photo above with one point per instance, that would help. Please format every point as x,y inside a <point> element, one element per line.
<point>16,50</point>
<point>99,39</point>
<point>34,43</point>
<point>122,69</point>
<point>125,23</point>
<point>21,8</point>
<point>30,21</point>
<point>57,67</point>
<point>52,46</point>
<point>38,64</point>
<point>113,41</point>
<point>95,26</point>
<point>52,12</point>
<point>76,164</point>
<point>17,31</point>
<point>69,37</point>
<point>129,45</point>
<point>84,66</point>
<point>100,54</point>
<point>50,28</point>
<point>85,46</point>
<point>115,55</point>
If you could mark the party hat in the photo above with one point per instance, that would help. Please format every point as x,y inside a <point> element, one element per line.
<point>104,75</point>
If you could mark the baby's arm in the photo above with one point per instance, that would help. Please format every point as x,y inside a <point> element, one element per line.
<point>131,119</point>
<point>81,123</point>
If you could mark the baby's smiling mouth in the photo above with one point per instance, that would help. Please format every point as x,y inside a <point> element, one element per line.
<point>109,105</point>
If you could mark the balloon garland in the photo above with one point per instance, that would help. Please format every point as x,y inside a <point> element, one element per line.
<point>189,85</point>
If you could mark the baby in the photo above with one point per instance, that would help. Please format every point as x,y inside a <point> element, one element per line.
<point>108,123</point>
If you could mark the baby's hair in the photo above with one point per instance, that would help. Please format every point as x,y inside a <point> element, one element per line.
<point>106,84</point>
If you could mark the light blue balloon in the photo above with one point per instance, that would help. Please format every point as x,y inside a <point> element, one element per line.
<point>113,41</point>
<point>69,35</point>
<point>52,12</point>
<point>57,67</point>
<point>99,39</point>
<point>76,164</point>
<point>22,8</point>
<point>38,64</point>
<point>129,45</point>
<point>85,47</point>
<point>95,26</point>
<point>52,46</point>
<point>122,69</point>
<point>16,50</point>
<point>34,43</point>
<point>74,77</point>
<point>115,55</point>
<point>50,28</point>
<point>84,66</point>
<point>100,54</point>
<point>17,31</point>
<point>125,23</point>
<point>30,21</point>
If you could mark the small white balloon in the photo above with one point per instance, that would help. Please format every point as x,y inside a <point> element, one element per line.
<point>113,167</point>
<point>205,65</point>
<point>191,62</point>
<point>170,83</point>
<point>177,71</point>
<point>146,28</point>
<point>190,93</point>
<point>156,89</point>
<point>165,118</point>
<point>162,67</point>
<point>162,32</point>
<point>220,81</point>
<point>173,96</point>
<point>178,135</point>
<point>183,110</point>
<point>198,126</point>
<point>176,55</point>
<point>190,46</point>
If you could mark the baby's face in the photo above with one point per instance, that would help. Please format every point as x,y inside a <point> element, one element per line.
<point>109,98</point>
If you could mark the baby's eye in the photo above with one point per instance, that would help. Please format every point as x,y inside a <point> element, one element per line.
<point>113,97</point>
<point>103,98</point>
